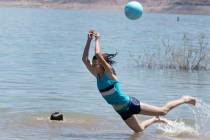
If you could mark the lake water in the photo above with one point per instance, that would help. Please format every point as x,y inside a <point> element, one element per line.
<point>41,72</point>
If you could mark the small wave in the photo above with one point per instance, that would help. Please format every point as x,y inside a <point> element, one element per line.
<point>4,110</point>
<point>66,120</point>
<point>69,118</point>
<point>42,118</point>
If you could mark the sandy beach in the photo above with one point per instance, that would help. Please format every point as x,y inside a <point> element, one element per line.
<point>148,6</point>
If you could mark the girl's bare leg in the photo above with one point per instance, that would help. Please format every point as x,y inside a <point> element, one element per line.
<point>146,109</point>
<point>134,124</point>
<point>151,110</point>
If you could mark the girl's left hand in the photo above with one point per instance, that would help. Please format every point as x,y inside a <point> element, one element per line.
<point>97,35</point>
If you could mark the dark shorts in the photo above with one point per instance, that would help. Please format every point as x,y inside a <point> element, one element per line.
<point>133,108</point>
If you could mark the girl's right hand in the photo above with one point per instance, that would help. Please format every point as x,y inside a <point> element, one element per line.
<point>91,34</point>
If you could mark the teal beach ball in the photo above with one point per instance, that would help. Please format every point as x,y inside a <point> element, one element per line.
<point>133,10</point>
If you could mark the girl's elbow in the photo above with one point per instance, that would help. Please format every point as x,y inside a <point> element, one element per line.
<point>84,59</point>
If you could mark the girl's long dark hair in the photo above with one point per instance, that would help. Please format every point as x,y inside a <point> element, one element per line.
<point>109,59</point>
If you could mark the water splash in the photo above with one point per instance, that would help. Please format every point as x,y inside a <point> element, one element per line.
<point>198,128</point>
<point>177,129</point>
<point>202,117</point>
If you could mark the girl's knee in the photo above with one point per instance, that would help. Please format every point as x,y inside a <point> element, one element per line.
<point>138,130</point>
<point>164,110</point>
<point>133,123</point>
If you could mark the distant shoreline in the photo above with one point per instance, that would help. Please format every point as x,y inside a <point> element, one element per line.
<point>181,9</point>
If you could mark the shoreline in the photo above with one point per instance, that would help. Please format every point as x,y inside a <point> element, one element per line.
<point>167,9</point>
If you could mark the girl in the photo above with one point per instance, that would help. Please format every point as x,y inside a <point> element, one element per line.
<point>108,85</point>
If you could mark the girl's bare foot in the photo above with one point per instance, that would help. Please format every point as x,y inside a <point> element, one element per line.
<point>161,119</point>
<point>189,100</point>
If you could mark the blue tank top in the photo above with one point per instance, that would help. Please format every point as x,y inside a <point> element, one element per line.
<point>111,91</point>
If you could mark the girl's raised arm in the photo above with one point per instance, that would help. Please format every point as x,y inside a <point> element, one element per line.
<point>85,58</point>
<point>100,57</point>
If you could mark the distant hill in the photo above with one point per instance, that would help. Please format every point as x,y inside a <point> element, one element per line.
<point>169,6</point>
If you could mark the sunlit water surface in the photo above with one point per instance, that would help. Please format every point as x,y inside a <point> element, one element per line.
<point>41,72</point>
